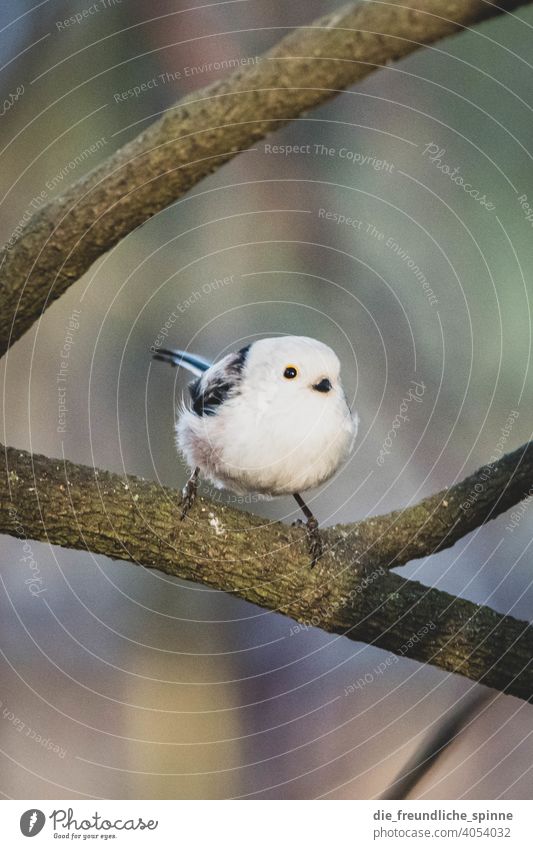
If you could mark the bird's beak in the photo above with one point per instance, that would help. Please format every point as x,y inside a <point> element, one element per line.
<point>323,386</point>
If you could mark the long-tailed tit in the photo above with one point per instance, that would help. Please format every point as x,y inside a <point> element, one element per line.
<point>271,418</point>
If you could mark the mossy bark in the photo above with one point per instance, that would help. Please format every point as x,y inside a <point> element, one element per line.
<point>205,130</point>
<point>349,592</point>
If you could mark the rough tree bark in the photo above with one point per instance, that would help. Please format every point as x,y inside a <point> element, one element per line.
<point>202,132</point>
<point>351,592</point>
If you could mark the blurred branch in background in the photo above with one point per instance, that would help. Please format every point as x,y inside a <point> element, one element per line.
<point>350,592</point>
<point>431,749</point>
<point>202,132</point>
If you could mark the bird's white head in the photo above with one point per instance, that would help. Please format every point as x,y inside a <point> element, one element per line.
<point>294,368</point>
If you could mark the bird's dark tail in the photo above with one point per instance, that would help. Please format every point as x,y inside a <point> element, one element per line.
<point>192,362</point>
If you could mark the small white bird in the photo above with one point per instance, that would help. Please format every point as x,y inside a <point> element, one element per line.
<point>271,418</point>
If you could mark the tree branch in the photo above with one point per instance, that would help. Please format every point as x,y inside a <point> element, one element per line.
<point>446,732</point>
<point>202,132</point>
<point>439,521</point>
<point>350,591</point>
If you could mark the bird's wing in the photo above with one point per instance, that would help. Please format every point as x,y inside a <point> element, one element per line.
<point>219,382</point>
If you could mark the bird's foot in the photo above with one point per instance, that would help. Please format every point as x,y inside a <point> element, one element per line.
<point>188,493</point>
<point>314,540</point>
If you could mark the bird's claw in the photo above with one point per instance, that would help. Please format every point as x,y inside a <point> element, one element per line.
<point>314,541</point>
<point>188,495</point>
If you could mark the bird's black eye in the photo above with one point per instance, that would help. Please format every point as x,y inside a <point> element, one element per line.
<point>290,372</point>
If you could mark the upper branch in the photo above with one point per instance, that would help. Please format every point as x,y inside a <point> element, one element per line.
<point>204,131</point>
<point>348,593</point>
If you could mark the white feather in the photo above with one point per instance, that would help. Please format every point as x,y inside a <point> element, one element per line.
<point>274,435</point>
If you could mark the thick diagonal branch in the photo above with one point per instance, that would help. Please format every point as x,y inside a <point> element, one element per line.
<point>204,131</point>
<point>349,593</point>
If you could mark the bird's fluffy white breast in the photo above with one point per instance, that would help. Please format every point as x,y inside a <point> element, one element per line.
<point>287,450</point>
<point>252,445</point>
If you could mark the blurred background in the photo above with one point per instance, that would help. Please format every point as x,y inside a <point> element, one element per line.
<point>119,682</point>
